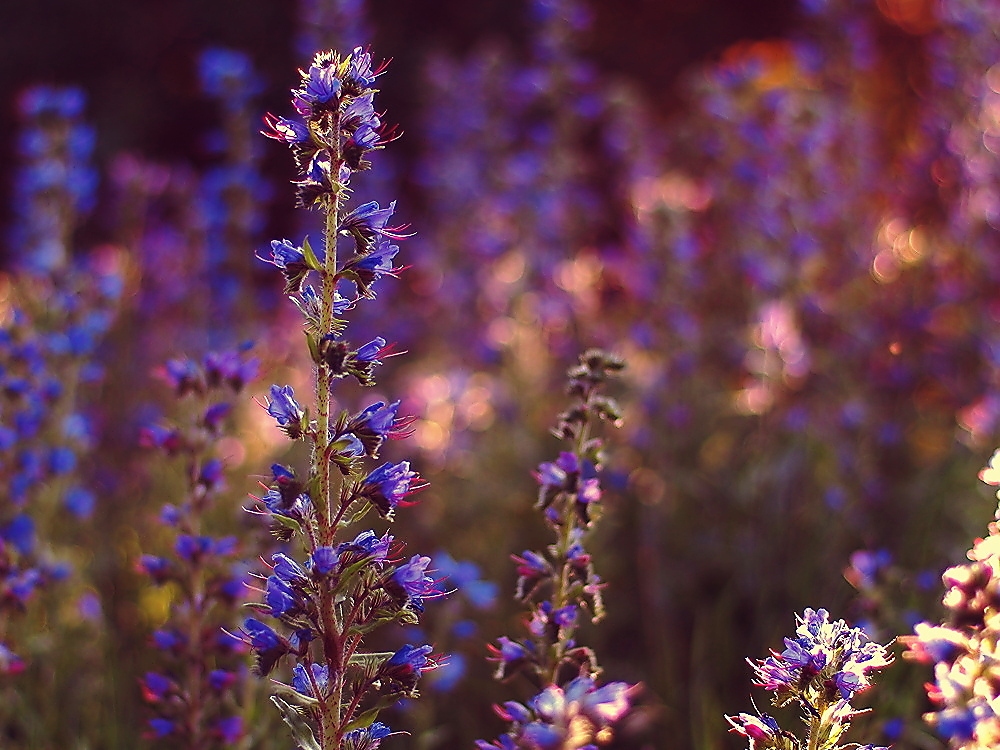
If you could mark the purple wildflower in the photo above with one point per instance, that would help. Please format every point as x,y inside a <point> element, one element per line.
<point>267,645</point>
<point>320,85</point>
<point>162,727</point>
<point>366,269</point>
<point>284,129</point>
<point>155,687</point>
<point>374,425</point>
<point>368,221</point>
<point>368,738</point>
<point>387,486</point>
<point>229,729</point>
<point>829,657</point>
<point>761,728</point>
<point>411,584</point>
<point>303,683</point>
<point>286,410</point>
<point>367,544</point>
<point>406,665</point>
<point>372,351</point>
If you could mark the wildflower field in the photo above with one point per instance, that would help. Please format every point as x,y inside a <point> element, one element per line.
<point>390,391</point>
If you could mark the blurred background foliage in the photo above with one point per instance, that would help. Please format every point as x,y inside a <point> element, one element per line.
<point>783,215</point>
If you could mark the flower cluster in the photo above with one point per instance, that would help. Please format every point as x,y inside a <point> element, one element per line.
<point>821,669</point>
<point>50,330</point>
<point>233,192</point>
<point>962,649</point>
<point>56,183</point>
<point>347,584</point>
<point>193,695</point>
<point>559,584</point>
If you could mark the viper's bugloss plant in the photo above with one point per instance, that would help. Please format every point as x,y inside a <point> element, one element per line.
<point>234,193</point>
<point>821,669</point>
<point>335,585</point>
<point>963,649</point>
<point>54,314</point>
<point>559,585</point>
<point>56,182</point>
<point>193,692</point>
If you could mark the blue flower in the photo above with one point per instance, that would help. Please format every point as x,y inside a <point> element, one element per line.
<point>286,410</point>
<point>406,665</point>
<point>162,727</point>
<point>366,269</point>
<point>168,639</point>
<point>761,728</point>
<point>544,618</point>
<point>958,723</point>
<point>79,501</point>
<point>367,544</point>
<point>286,255</point>
<point>231,367</point>
<point>359,71</point>
<point>373,425</point>
<point>229,729</point>
<point>324,560</point>
<point>192,548</point>
<point>320,85</point>
<point>287,569</point>
<point>226,74</point>
<point>10,663</point>
<point>302,683</point>
<point>183,376</point>
<point>360,111</point>
<point>282,598</point>
<point>221,679</point>
<point>387,486</point>
<point>368,221</point>
<point>510,652</point>
<point>155,687</point>
<point>466,577</point>
<point>211,474</point>
<point>291,259</point>
<point>411,584</point>
<point>20,533</point>
<point>284,129</point>
<point>371,351</point>
<point>157,568</point>
<point>267,645</point>
<point>827,656</point>
<point>368,738</point>
<point>62,460</point>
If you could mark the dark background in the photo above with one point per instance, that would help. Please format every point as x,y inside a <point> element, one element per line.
<point>137,59</point>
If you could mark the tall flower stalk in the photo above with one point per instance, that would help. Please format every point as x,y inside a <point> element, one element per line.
<point>349,583</point>
<point>193,693</point>
<point>559,584</point>
<point>821,669</point>
<point>962,650</point>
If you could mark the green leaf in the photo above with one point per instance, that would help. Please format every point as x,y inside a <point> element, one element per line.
<point>302,733</point>
<point>310,257</point>
<point>295,695</point>
<point>353,515</point>
<point>348,574</point>
<point>290,523</point>
<point>313,347</point>
<point>364,720</point>
<point>371,661</point>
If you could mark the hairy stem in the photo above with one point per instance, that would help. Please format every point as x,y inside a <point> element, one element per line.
<point>330,719</point>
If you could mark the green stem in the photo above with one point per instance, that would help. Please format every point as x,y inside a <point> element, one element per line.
<point>816,727</point>
<point>560,597</point>
<point>330,716</point>
<point>324,376</point>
